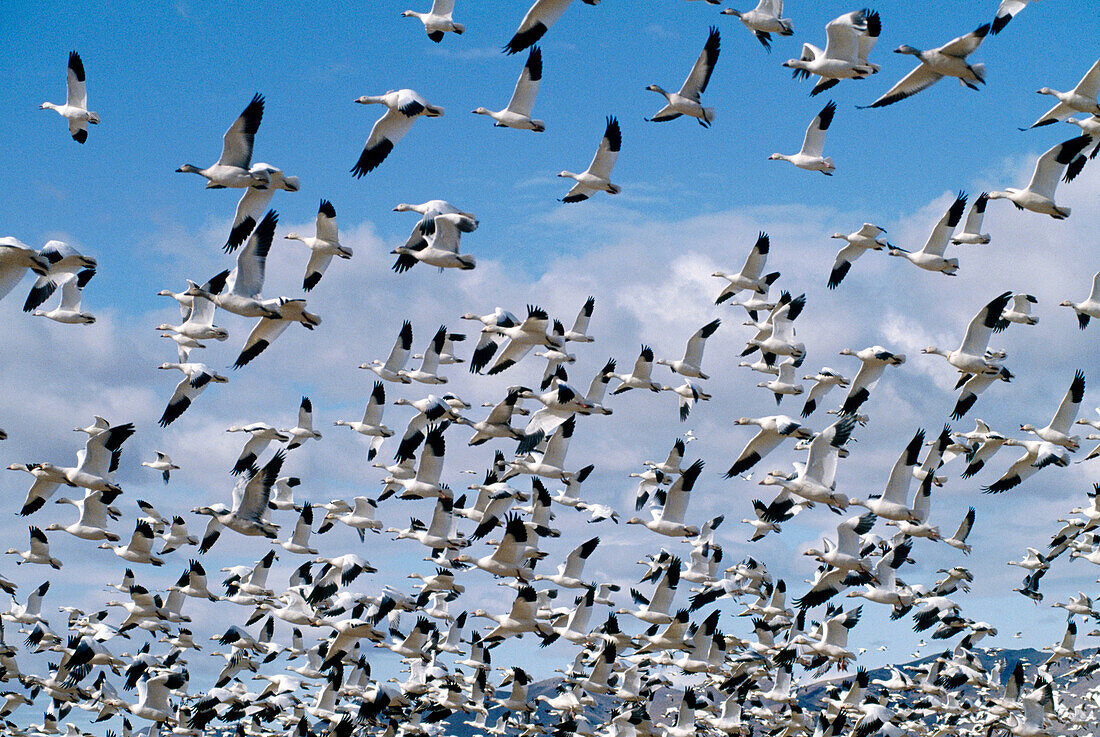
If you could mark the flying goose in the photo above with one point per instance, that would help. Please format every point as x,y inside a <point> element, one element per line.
<point>971,356</point>
<point>39,552</point>
<point>763,20</point>
<point>255,199</point>
<point>1019,311</point>
<point>1057,431</point>
<point>437,21</point>
<point>196,377</point>
<point>442,249</point>
<point>163,464</point>
<point>238,290</point>
<point>323,246</point>
<point>824,381</point>
<point>686,101</point>
<point>517,114</point>
<point>1081,99</point>
<point>813,144</point>
<point>303,431</point>
<point>864,239</point>
<point>75,109</point>
<point>140,547</point>
<point>268,329</point>
<point>874,361</point>
<point>392,369</point>
<point>63,261</point>
<point>69,311</point>
<point>784,382</point>
<point>751,276</point>
<point>371,424</point>
<point>1038,454</point>
<point>15,258</point>
<point>402,108</point>
<point>693,354</point>
<point>522,337</point>
<point>972,229</point>
<point>1038,195</point>
<point>597,177</point>
<point>196,322</point>
<point>974,385</point>
<point>260,435</point>
<point>1090,307</point>
<point>538,19</point>
<point>850,38</point>
<point>948,60</point>
<point>669,518</point>
<point>250,497</point>
<point>232,168</point>
<point>893,503</point>
<point>774,429</point>
<point>640,375</point>
<point>92,522</point>
<point>930,257</point>
<point>689,394</point>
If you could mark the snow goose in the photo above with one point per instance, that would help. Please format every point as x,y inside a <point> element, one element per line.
<point>751,275</point>
<point>1090,307</point>
<point>1057,431</point>
<point>163,464</point>
<point>303,431</point>
<point>498,424</point>
<point>764,20</point>
<point>655,609</point>
<point>371,424</point>
<point>669,519</point>
<point>232,168</point>
<point>31,612</point>
<point>1081,99</point>
<point>687,100</point>
<point>849,39</point>
<point>864,239</point>
<point>268,329</point>
<point>640,376</point>
<point>261,435</point>
<point>958,539</point>
<point>75,109</point>
<point>693,355</point>
<point>238,291</point>
<point>47,477</point>
<point>1019,311</point>
<point>392,369</point>
<point>437,21</point>
<point>15,258</point>
<point>569,572</point>
<point>784,383</point>
<point>551,462</point>
<point>250,498</point>
<point>39,552</point>
<point>255,199</point>
<point>1038,454</point>
<point>64,262</point>
<point>176,536</point>
<point>427,373</point>
<point>689,394</point>
<point>323,246</point>
<point>522,337</point>
<point>776,337</point>
<point>426,482</point>
<point>810,157</point>
<point>508,560</point>
<point>1038,195</point>
<point>426,225</point>
<point>538,19</point>
<point>974,385</point>
<point>196,322</point>
<point>140,547</point>
<point>69,311</point>
<point>824,381</point>
<point>196,377</point>
<point>773,430</point>
<point>92,523</point>
<point>442,250</point>
<point>893,503</point>
<point>597,177</point>
<point>970,357</point>
<point>579,332</point>
<point>948,60</point>
<point>972,229</point>
<point>518,112</point>
<point>930,257</point>
<point>402,108</point>
<point>99,459</point>
<point>874,361</point>
<point>832,645</point>
<point>299,541</point>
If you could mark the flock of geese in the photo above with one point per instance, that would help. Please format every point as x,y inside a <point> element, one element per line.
<point>300,634</point>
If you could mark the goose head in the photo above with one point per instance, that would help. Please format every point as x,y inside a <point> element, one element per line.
<point>778,157</point>
<point>479,111</point>
<point>189,169</point>
<point>47,106</point>
<point>731,11</point>
<point>1045,91</point>
<point>907,49</point>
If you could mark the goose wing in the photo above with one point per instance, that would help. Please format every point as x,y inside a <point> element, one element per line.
<point>758,257</point>
<point>387,131</point>
<point>539,17</point>
<point>248,277</point>
<point>897,487</point>
<point>608,152</point>
<point>693,354</point>
<point>1067,410</point>
<point>326,223</point>
<point>257,490</point>
<point>76,92</point>
<point>1050,165</point>
<point>372,415</point>
<point>699,76</point>
<point>915,81</point>
<point>676,500</point>
<point>237,141</point>
<point>814,143</point>
<point>315,269</point>
<point>1089,86</point>
<point>963,46</point>
<point>527,86</point>
<point>399,354</point>
<point>558,445</point>
<point>843,36</point>
<point>941,234</point>
<point>249,207</point>
<point>263,335</point>
<point>983,324</point>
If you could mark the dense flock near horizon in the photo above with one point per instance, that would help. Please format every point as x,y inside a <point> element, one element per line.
<point>293,637</point>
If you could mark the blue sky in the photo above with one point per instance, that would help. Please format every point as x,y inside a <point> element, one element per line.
<point>168,80</point>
